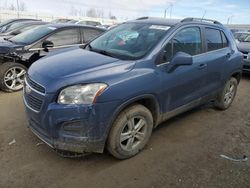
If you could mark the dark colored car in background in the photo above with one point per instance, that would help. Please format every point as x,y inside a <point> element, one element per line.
<point>20,27</point>
<point>61,20</point>
<point>113,92</point>
<point>8,23</point>
<point>89,22</point>
<point>244,48</point>
<point>19,52</point>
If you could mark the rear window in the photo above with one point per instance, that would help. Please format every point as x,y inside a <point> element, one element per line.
<point>214,40</point>
<point>32,35</point>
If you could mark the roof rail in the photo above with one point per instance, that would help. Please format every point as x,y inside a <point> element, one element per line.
<point>200,20</point>
<point>143,18</point>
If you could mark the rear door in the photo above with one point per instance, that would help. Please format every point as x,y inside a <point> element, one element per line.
<point>61,39</point>
<point>216,58</point>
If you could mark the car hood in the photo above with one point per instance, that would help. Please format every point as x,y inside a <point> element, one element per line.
<point>76,66</point>
<point>7,46</point>
<point>244,46</point>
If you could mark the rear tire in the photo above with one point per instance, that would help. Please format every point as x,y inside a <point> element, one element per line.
<point>130,132</point>
<point>227,95</point>
<point>12,76</point>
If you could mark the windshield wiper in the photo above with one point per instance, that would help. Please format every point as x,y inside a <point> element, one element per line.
<point>7,39</point>
<point>104,52</point>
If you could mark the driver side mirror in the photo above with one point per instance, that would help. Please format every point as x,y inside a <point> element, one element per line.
<point>180,59</point>
<point>47,44</point>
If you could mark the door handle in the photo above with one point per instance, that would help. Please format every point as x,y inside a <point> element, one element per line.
<point>202,66</point>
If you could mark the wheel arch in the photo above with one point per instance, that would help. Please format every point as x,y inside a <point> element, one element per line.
<point>147,100</point>
<point>237,75</point>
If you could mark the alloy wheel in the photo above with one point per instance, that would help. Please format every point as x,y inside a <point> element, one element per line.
<point>14,78</point>
<point>230,93</point>
<point>133,133</point>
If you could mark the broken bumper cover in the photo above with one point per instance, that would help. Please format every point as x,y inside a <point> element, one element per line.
<point>73,128</point>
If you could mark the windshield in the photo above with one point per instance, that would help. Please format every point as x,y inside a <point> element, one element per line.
<point>242,36</point>
<point>247,39</point>
<point>14,26</point>
<point>5,22</point>
<point>130,40</point>
<point>32,35</point>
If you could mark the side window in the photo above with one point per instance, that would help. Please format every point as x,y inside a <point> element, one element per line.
<point>90,34</point>
<point>224,40</point>
<point>214,40</point>
<point>65,37</point>
<point>187,40</point>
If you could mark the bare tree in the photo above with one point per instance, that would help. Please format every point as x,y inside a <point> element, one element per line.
<point>91,13</point>
<point>22,6</point>
<point>73,11</point>
<point>111,16</point>
<point>12,7</point>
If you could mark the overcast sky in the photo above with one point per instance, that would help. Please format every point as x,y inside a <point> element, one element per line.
<point>222,10</point>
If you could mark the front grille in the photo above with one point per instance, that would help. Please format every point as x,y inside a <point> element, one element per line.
<point>35,85</point>
<point>33,102</point>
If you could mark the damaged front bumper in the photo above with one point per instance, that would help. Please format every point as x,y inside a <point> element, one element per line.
<point>74,128</point>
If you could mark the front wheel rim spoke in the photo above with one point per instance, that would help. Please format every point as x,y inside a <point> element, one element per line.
<point>13,84</point>
<point>125,136</point>
<point>6,79</point>
<point>139,136</point>
<point>23,72</point>
<point>131,124</point>
<point>130,143</point>
<point>139,125</point>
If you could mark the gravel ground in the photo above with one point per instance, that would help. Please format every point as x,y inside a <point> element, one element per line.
<point>183,152</point>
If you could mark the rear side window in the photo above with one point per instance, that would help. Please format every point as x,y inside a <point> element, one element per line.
<point>214,40</point>
<point>89,34</point>
<point>224,40</point>
<point>65,37</point>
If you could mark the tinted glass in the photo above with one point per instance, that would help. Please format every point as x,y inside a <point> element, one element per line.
<point>130,40</point>
<point>90,34</point>
<point>32,35</point>
<point>65,37</point>
<point>224,40</point>
<point>189,41</point>
<point>247,39</point>
<point>214,41</point>
<point>14,26</point>
<point>28,27</point>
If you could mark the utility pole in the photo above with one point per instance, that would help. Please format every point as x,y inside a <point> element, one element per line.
<point>17,8</point>
<point>205,12</point>
<point>165,13</point>
<point>171,9</point>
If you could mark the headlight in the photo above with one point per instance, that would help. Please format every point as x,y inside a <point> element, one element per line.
<point>81,94</point>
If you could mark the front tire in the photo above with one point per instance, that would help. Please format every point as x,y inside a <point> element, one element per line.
<point>130,132</point>
<point>12,76</point>
<point>227,95</point>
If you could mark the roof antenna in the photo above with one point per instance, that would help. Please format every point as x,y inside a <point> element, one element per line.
<point>205,12</point>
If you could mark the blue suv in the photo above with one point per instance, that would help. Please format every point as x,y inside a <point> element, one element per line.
<point>112,92</point>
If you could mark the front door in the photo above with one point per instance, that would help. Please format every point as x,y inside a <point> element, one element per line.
<point>184,84</point>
